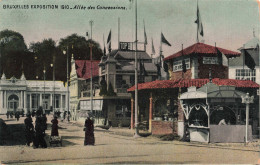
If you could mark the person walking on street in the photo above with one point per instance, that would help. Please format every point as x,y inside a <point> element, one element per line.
<point>29,129</point>
<point>89,132</point>
<point>54,127</point>
<point>68,116</point>
<point>17,116</point>
<point>40,129</point>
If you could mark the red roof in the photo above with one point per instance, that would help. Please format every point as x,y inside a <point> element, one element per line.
<point>201,48</point>
<point>160,84</point>
<point>83,68</point>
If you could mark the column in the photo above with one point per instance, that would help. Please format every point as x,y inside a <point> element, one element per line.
<point>5,100</point>
<point>51,100</point>
<point>61,101</point>
<point>1,102</point>
<point>132,113</point>
<point>40,99</point>
<point>150,112</point>
<point>25,101</point>
<point>1,99</point>
<point>66,98</point>
<point>30,102</point>
<point>21,100</point>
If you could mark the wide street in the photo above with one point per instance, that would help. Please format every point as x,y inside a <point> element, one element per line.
<point>113,147</point>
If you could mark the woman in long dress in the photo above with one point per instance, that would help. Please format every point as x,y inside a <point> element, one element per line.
<point>89,132</point>
<point>54,127</point>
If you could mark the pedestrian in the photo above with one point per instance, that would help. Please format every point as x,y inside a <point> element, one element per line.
<point>7,115</point>
<point>29,129</point>
<point>17,116</point>
<point>40,133</point>
<point>33,113</point>
<point>54,127</point>
<point>11,115</point>
<point>44,119</point>
<point>68,116</point>
<point>89,132</point>
<point>64,115</point>
<point>22,113</point>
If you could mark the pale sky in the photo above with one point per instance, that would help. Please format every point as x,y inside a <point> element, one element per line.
<point>229,23</point>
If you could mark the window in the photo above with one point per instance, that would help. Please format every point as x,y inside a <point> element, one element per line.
<point>154,78</point>
<point>63,103</point>
<point>245,74</point>
<point>177,65</point>
<point>132,80</point>
<point>210,60</point>
<point>35,100</point>
<point>119,79</point>
<point>57,101</point>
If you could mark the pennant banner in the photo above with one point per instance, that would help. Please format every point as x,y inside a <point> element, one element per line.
<point>109,37</point>
<point>153,50</point>
<point>145,36</point>
<point>199,22</point>
<point>249,61</point>
<point>163,39</point>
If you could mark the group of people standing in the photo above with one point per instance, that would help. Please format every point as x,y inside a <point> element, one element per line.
<point>36,136</point>
<point>15,114</point>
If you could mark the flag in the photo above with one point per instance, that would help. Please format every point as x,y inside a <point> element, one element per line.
<point>83,71</point>
<point>158,70</point>
<point>144,70</point>
<point>163,40</point>
<point>109,37</point>
<point>183,66</point>
<point>222,59</point>
<point>145,36</point>
<point>153,50</point>
<point>165,66</point>
<point>199,23</point>
<point>249,61</point>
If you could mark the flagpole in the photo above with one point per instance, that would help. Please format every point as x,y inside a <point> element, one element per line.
<point>197,23</point>
<point>183,57</point>
<point>91,83</point>
<point>160,56</point>
<point>243,61</point>
<point>118,33</point>
<point>136,76</point>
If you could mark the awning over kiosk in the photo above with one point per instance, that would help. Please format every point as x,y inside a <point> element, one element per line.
<point>211,90</point>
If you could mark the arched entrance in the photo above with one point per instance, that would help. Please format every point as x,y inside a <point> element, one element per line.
<point>13,102</point>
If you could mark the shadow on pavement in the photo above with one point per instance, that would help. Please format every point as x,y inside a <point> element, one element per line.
<point>14,135</point>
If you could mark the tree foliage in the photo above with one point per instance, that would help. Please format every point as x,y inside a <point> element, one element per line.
<point>16,57</point>
<point>13,53</point>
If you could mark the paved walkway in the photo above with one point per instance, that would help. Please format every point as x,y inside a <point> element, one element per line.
<point>113,148</point>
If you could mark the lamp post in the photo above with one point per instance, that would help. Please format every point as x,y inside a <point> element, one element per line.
<point>44,71</point>
<point>247,100</point>
<point>36,93</point>
<point>53,78</point>
<point>68,92</point>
